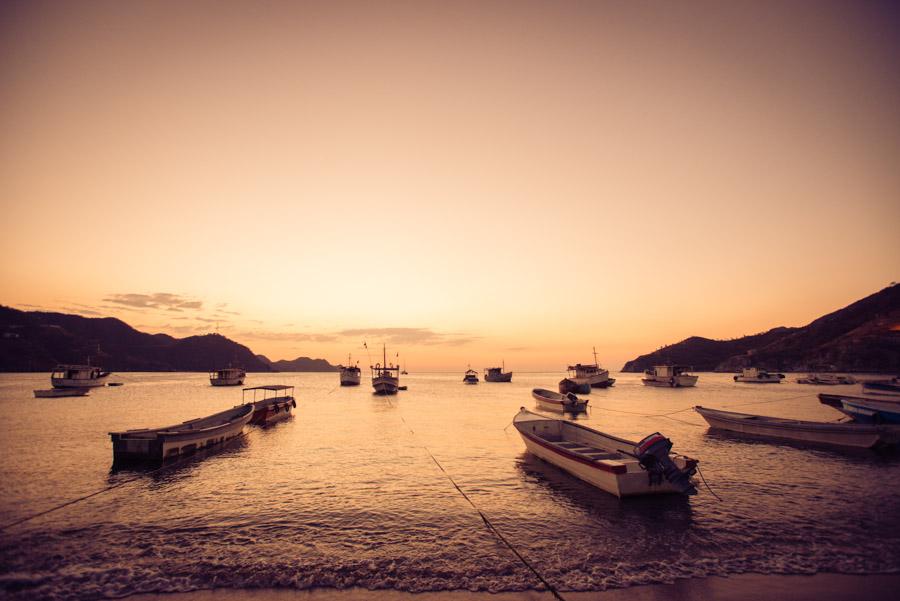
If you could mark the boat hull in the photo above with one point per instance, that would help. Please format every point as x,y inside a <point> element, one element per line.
<point>227,381</point>
<point>566,385</point>
<point>504,377</point>
<point>385,385</point>
<point>551,401</point>
<point>822,433</point>
<point>78,382</point>
<point>671,382</point>
<point>272,410</point>
<point>174,442</point>
<point>53,393</point>
<point>868,411</point>
<point>350,378</point>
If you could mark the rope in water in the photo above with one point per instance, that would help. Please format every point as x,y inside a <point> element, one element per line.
<point>487,522</point>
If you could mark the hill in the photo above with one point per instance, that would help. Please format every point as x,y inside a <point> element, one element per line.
<point>303,364</point>
<point>37,341</point>
<point>862,337</point>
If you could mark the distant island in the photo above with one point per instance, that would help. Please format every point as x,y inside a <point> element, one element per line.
<point>33,341</point>
<point>862,337</point>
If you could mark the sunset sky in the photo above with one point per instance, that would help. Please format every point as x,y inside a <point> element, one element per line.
<point>466,181</point>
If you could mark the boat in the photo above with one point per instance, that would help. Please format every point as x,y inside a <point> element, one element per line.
<point>497,374</point>
<point>554,401</point>
<point>78,376</point>
<point>836,400</point>
<point>590,374</point>
<point>270,409</point>
<point>230,376</point>
<point>471,376</point>
<point>403,371</point>
<point>385,378</point>
<point>826,379</point>
<point>351,375</point>
<point>566,386</point>
<point>53,393</point>
<point>882,387</point>
<point>186,438</point>
<point>754,375</point>
<point>867,411</point>
<point>852,435</point>
<point>674,376</point>
<point>618,466</point>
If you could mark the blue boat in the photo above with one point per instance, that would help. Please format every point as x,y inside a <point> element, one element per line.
<point>868,411</point>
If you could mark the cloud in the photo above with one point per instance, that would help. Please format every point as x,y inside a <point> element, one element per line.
<point>288,336</point>
<point>159,300</point>
<point>82,311</point>
<point>410,336</point>
<point>519,348</point>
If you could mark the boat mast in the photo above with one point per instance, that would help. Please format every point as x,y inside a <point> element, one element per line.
<point>595,357</point>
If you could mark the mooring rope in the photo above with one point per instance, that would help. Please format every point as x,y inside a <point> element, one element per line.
<point>487,522</point>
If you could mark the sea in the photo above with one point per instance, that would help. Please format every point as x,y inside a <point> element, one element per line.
<point>358,490</point>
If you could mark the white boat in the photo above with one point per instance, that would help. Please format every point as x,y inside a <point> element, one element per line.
<point>385,378</point>
<point>497,374</point>
<point>826,379</point>
<point>554,401</point>
<point>674,376</point>
<point>230,376</point>
<point>170,442</point>
<point>53,393</point>
<point>618,466</point>
<point>78,376</point>
<point>591,374</point>
<point>351,375</point>
<point>754,375</point>
<point>471,376</point>
<point>270,409</point>
<point>825,433</point>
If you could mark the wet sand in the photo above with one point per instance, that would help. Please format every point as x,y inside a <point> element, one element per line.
<point>743,587</point>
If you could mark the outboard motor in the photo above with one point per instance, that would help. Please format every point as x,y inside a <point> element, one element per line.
<point>653,454</point>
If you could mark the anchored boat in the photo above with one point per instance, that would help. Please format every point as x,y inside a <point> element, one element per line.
<point>471,376</point>
<point>554,401</point>
<point>385,378</point>
<point>618,466</point>
<point>270,409</point>
<point>566,386</point>
<point>826,379</point>
<point>863,410</point>
<point>888,387</point>
<point>497,374</point>
<point>53,393</point>
<point>351,375</point>
<point>78,376</point>
<point>674,376</point>
<point>186,438</point>
<point>754,375</point>
<point>592,374</point>
<point>230,376</point>
<point>853,435</point>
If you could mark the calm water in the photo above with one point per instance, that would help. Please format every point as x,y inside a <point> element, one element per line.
<point>344,494</point>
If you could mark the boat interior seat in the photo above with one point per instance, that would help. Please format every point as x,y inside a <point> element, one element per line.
<point>601,455</point>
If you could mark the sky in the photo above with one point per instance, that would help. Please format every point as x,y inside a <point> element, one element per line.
<point>466,182</point>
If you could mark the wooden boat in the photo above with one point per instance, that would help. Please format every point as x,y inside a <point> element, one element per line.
<point>826,379</point>
<point>230,376</point>
<point>53,393</point>
<point>674,376</point>
<point>170,442</point>
<point>78,376</point>
<point>869,411</point>
<point>566,386</point>
<point>889,387</point>
<point>270,409</point>
<point>618,466</point>
<point>554,401</point>
<point>591,374</point>
<point>863,436</point>
<point>754,375</point>
<point>471,376</point>
<point>385,378</point>
<point>836,400</point>
<point>351,375</point>
<point>497,374</point>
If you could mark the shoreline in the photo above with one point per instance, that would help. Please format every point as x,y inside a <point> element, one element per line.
<point>824,586</point>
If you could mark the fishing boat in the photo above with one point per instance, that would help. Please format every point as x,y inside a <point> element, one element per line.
<point>78,376</point>
<point>826,379</point>
<point>471,376</point>
<point>591,374</point>
<point>853,435</point>
<point>674,376</point>
<point>868,411</point>
<point>566,386</point>
<point>186,438</point>
<point>497,374</point>
<point>385,378</point>
<point>836,400</point>
<point>554,401</point>
<point>351,375</point>
<point>754,375</point>
<point>53,393</point>
<point>270,409</point>
<point>882,387</point>
<point>230,376</point>
<point>618,466</point>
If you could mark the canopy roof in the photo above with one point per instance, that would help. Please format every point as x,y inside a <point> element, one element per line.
<point>270,387</point>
